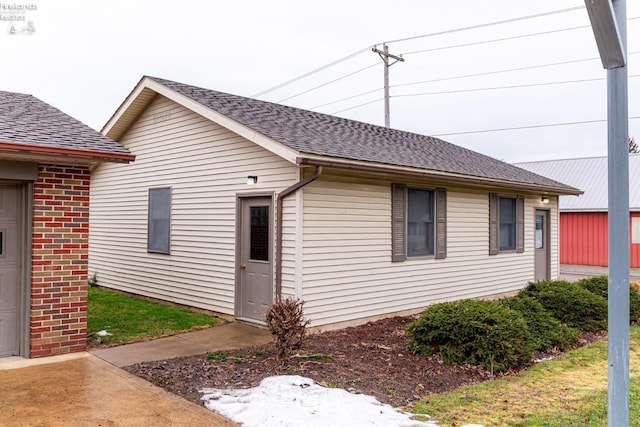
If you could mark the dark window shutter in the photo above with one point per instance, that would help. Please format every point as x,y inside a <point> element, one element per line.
<point>493,224</point>
<point>398,223</point>
<point>441,223</point>
<point>520,224</point>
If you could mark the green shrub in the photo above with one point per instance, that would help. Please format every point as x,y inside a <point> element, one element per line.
<point>600,286</point>
<point>570,303</point>
<point>546,331</point>
<point>476,332</point>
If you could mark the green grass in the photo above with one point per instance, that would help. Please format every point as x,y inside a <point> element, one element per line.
<point>130,319</point>
<point>570,390</point>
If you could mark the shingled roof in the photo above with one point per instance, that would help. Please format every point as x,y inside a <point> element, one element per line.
<point>317,134</point>
<point>29,125</point>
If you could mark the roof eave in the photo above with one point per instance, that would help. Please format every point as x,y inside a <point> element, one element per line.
<point>448,177</point>
<point>44,153</point>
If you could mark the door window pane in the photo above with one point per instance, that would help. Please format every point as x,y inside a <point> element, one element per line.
<point>539,231</point>
<point>507,224</point>
<point>259,233</point>
<point>420,239</point>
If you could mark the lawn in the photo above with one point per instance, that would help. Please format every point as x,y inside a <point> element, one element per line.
<point>130,319</point>
<point>570,390</point>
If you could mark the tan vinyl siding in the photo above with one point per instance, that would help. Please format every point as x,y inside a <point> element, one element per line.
<point>206,167</point>
<point>348,273</point>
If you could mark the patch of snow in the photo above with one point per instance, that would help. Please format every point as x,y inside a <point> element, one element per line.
<point>292,400</point>
<point>544,359</point>
<point>103,333</point>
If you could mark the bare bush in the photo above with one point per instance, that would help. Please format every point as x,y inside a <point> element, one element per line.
<point>286,322</point>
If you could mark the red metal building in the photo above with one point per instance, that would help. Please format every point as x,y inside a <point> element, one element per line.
<point>583,219</point>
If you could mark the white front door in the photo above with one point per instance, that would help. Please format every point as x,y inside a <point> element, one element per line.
<point>255,267</point>
<point>10,269</point>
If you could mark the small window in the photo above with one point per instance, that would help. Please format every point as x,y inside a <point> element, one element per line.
<point>635,230</point>
<point>507,219</point>
<point>418,223</point>
<point>159,221</point>
<point>506,224</point>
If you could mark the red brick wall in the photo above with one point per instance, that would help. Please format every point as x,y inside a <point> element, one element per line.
<point>59,260</point>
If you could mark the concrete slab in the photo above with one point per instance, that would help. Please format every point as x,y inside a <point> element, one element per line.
<point>91,392</point>
<point>219,338</point>
<point>574,273</point>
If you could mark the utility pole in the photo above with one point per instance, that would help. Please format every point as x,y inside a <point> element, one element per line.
<point>385,55</point>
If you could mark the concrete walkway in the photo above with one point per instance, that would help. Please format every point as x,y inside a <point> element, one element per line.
<point>219,338</point>
<point>83,390</point>
<point>89,389</point>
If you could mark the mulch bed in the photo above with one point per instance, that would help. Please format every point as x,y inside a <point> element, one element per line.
<point>371,359</point>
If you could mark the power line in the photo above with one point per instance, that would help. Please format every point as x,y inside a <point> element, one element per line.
<point>559,30</point>
<point>531,67</point>
<point>317,70</point>
<point>505,87</point>
<point>487,73</point>
<point>347,98</point>
<point>488,24</point>
<point>497,40</point>
<point>329,82</point>
<point>527,127</point>
<point>358,106</point>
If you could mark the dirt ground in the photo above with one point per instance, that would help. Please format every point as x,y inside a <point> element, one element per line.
<point>371,359</point>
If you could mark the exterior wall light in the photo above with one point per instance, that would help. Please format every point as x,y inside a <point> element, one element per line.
<point>252,179</point>
<point>545,200</point>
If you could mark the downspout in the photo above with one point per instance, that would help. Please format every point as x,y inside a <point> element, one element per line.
<point>279,212</point>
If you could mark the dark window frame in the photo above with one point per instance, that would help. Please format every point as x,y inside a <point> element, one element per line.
<point>159,220</point>
<point>399,223</point>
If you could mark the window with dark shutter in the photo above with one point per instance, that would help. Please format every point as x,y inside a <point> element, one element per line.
<point>159,221</point>
<point>419,223</point>
<point>506,224</point>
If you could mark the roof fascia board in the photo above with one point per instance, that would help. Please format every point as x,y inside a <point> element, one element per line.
<point>40,152</point>
<point>467,180</point>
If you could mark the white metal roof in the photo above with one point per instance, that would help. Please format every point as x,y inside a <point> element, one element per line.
<point>590,175</point>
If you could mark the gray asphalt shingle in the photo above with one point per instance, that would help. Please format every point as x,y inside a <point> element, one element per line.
<point>321,134</point>
<point>28,120</point>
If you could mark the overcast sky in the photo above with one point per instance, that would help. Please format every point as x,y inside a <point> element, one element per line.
<point>85,57</point>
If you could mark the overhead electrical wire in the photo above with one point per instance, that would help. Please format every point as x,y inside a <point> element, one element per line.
<point>480,90</point>
<point>495,40</point>
<point>462,76</point>
<point>456,77</point>
<point>329,82</point>
<point>488,24</point>
<point>505,87</point>
<point>338,61</point>
<point>527,127</point>
<point>317,70</point>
